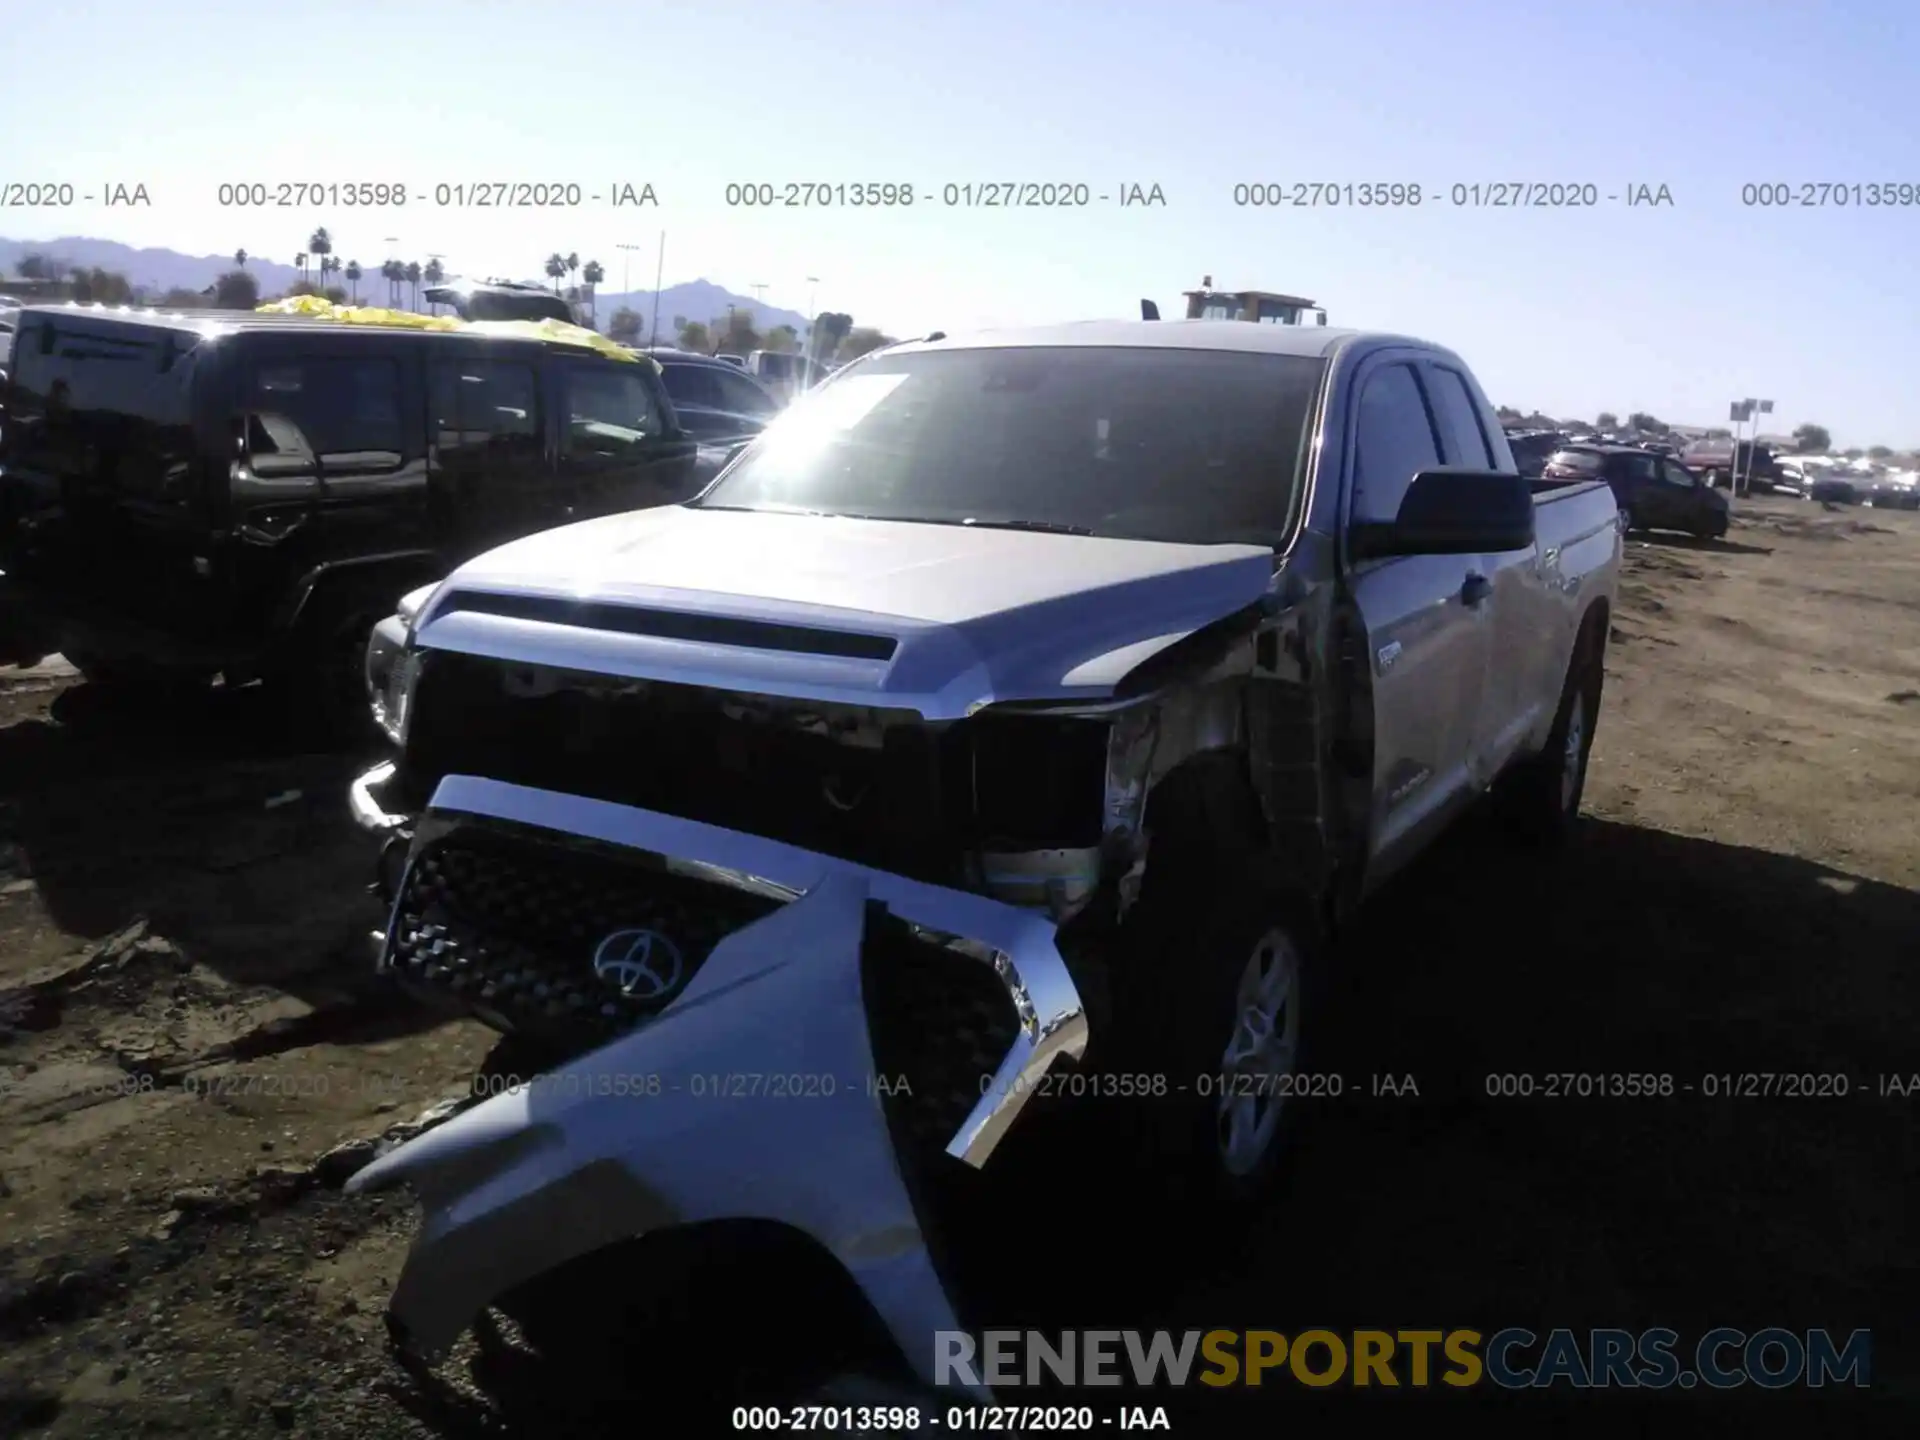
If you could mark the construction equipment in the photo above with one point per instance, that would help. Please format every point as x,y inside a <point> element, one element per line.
<point>1262,307</point>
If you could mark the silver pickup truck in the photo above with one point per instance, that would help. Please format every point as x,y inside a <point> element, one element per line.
<point>1019,706</point>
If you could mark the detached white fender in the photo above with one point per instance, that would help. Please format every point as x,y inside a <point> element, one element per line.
<point>644,1134</point>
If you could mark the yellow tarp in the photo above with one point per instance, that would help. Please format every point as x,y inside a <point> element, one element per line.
<point>558,331</point>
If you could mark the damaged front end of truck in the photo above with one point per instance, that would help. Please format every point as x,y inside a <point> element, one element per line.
<point>788,928</point>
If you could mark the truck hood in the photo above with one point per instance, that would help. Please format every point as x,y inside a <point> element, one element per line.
<point>936,618</point>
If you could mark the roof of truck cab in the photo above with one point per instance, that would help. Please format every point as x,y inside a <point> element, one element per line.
<point>1311,341</point>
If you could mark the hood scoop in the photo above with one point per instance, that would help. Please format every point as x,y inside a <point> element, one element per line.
<point>674,625</point>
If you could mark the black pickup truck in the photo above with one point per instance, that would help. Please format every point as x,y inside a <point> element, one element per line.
<point>241,494</point>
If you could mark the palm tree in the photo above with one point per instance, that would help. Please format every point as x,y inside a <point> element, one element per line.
<point>573,262</point>
<point>433,275</point>
<point>393,273</point>
<point>593,273</point>
<point>321,243</point>
<point>240,258</point>
<point>300,264</point>
<point>413,281</point>
<point>353,280</point>
<point>556,269</point>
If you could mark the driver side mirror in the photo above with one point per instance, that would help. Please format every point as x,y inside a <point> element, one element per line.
<point>1452,512</point>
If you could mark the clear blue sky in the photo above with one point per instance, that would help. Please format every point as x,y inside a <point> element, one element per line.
<point>1673,310</point>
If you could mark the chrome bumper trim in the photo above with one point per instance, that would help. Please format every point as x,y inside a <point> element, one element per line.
<point>362,799</point>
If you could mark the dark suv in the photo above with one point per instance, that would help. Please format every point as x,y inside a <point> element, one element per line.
<point>245,495</point>
<point>1653,491</point>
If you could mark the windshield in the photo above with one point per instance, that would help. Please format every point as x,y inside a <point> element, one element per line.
<point>1144,443</point>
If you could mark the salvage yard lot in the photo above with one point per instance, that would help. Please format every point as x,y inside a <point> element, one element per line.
<point>1745,897</point>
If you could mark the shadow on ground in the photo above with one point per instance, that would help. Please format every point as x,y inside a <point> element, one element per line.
<point>1445,1199</point>
<point>202,815</point>
<point>1672,540</point>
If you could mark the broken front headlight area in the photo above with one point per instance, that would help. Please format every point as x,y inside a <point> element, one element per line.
<point>393,665</point>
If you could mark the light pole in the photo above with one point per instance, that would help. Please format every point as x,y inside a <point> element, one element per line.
<point>813,340</point>
<point>626,269</point>
<point>1739,412</point>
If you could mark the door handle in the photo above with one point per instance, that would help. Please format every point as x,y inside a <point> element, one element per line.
<point>1475,589</point>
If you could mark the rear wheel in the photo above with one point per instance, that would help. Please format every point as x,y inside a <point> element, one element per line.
<point>1542,797</point>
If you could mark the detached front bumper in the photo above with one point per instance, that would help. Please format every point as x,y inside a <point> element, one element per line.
<point>752,1094</point>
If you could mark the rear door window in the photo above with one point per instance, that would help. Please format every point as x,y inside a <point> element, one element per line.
<point>611,410</point>
<point>1466,440</point>
<point>326,415</point>
<point>485,406</point>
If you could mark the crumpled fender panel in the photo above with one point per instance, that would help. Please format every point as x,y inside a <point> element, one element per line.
<point>527,1181</point>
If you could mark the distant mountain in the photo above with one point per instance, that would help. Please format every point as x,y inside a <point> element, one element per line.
<point>163,270</point>
<point>700,300</point>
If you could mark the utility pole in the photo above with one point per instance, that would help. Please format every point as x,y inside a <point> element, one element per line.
<point>659,273</point>
<point>813,340</point>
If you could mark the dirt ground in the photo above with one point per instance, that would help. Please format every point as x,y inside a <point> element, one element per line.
<point>187,1026</point>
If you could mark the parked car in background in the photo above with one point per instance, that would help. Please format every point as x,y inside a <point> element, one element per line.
<point>1835,487</point>
<point>1719,460</point>
<point>1532,449</point>
<point>719,406</point>
<point>784,372</point>
<point>501,300</point>
<point>1895,490</point>
<point>1653,492</point>
<point>238,494</point>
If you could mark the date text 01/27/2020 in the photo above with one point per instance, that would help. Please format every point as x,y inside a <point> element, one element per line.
<point>1460,195</point>
<point>953,195</point>
<point>912,1419</point>
<point>443,195</point>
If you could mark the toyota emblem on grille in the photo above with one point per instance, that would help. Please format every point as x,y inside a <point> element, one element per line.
<point>643,963</point>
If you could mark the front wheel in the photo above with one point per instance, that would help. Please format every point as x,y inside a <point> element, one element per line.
<point>1218,1009</point>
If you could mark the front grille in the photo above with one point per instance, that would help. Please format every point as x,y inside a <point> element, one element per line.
<point>505,920</point>
<point>502,920</point>
<point>675,748</point>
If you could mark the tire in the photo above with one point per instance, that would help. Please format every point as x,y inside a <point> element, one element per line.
<point>321,684</point>
<point>1216,918</point>
<point>1221,1007</point>
<point>1542,796</point>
